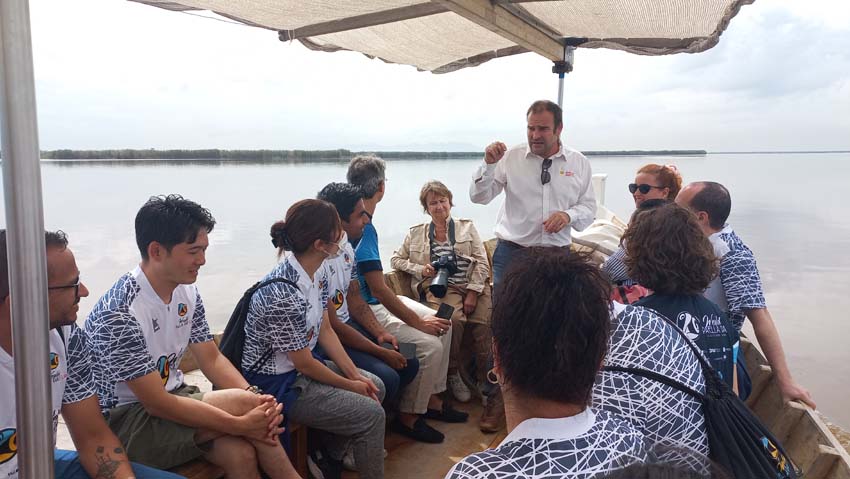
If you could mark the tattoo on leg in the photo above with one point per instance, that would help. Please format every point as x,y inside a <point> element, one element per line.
<point>106,466</point>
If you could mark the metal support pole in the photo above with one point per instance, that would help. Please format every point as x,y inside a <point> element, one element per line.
<point>561,90</point>
<point>25,243</point>
<point>562,68</point>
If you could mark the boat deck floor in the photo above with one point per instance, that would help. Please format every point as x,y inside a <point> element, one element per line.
<point>410,459</point>
<point>406,457</point>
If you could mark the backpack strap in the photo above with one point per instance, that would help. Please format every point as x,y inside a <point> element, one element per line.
<point>263,359</point>
<point>712,380</point>
<point>658,378</point>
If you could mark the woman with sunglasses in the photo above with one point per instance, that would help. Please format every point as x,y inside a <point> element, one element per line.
<point>286,320</point>
<point>658,184</point>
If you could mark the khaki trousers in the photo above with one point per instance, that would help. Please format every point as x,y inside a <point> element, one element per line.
<point>470,334</point>
<point>432,352</point>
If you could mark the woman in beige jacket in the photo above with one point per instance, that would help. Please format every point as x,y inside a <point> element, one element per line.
<point>468,289</point>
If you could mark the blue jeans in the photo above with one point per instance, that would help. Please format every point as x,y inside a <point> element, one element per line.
<point>501,260</point>
<point>66,465</point>
<point>394,380</point>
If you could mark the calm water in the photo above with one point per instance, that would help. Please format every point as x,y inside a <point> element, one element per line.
<point>790,209</point>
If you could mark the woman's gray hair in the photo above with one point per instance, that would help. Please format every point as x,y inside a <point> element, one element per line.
<point>367,172</point>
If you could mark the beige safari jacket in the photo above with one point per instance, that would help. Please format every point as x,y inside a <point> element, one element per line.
<point>415,252</point>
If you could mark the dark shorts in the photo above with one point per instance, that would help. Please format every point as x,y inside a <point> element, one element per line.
<point>154,441</point>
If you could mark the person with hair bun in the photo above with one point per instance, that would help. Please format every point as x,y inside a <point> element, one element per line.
<point>654,185</point>
<point>656,182</point>
<point>286,320</point>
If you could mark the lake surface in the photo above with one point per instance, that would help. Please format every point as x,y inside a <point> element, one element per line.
<point>789,208</point>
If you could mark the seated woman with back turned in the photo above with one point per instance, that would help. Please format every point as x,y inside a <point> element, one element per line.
<point>551,322</point>
<point>468,289</point>
<point>287,319</point>
<point>668,253</point>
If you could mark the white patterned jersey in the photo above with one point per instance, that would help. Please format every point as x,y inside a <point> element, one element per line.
<point>283,317</point>
<point>132,333</point>
<point>71,381</point>
<point>671,421</point>
<point>589,444</point>
<point>341,271</point>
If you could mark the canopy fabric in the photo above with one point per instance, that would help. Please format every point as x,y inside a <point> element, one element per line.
<point>445,35</point>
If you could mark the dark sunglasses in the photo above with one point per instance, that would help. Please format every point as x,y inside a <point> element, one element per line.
<point>644,188</point>
<point>76,287</point>
<point>545,177</point>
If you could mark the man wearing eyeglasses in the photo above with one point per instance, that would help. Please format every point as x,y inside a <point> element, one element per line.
<point>99,452</point>
<point>547,187</point>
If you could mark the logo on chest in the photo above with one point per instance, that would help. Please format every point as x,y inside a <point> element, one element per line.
<point>182,315</point>
<point>54,367</point>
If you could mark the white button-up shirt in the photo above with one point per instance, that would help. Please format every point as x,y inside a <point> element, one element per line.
<point>528,202</point>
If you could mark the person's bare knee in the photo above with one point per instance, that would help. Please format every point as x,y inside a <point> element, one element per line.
<point>235,455</point>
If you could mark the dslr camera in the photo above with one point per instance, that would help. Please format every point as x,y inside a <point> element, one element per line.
<point>445,265</point>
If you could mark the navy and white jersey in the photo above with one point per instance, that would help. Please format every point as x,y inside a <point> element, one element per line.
<point>671,421</point>
<point>133,333</point>
<point>589,444</point>
<point>740,278</point>
<point>341,271</point>
<point>283,317</point>
<point>615,267</point>
<point>71,381</point>
<point>703,323</point>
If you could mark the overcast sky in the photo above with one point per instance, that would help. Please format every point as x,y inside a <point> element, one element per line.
<point>116,74</point>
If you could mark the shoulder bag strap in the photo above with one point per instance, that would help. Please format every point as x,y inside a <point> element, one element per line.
<point>658,378</point>
<point>263,359</point>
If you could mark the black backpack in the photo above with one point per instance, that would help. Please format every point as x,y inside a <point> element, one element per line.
<point>232,343</point>
<point>737,439</point>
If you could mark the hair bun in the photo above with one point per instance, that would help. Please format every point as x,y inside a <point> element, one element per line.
<point>279,237</point>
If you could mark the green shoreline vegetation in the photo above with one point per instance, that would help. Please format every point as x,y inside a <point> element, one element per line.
<point>299,156</point>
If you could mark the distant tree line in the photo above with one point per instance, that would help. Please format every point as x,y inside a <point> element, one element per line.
<point>298,155</point>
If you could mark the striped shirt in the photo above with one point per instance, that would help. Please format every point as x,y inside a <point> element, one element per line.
<point>439,249</point>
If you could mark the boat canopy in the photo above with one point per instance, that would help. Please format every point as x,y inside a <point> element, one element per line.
<point>442,36</point>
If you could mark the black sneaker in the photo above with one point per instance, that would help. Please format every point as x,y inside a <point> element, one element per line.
<point>447,414</point>
<point>420,431</point>
<point>323,466</point>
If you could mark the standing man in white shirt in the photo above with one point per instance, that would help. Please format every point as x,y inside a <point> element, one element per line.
<point>547,186</point>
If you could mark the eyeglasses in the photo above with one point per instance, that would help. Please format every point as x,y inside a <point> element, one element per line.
<point>545,177</point>
<point>76,287</point>
<point>643,187</point>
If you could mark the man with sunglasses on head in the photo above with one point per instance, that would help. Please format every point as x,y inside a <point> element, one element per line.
<point>99,453</point>
<point>548,188</point>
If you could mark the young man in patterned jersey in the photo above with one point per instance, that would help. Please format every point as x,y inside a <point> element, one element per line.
<point>738,289</point>
<point>141,328</point>
<point>99,453</point>
<point>362,338</point>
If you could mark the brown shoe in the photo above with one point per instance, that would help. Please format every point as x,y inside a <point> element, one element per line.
<point>493,417</point>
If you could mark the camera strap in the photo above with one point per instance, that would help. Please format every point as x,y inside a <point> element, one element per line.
<point>432,235</point>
